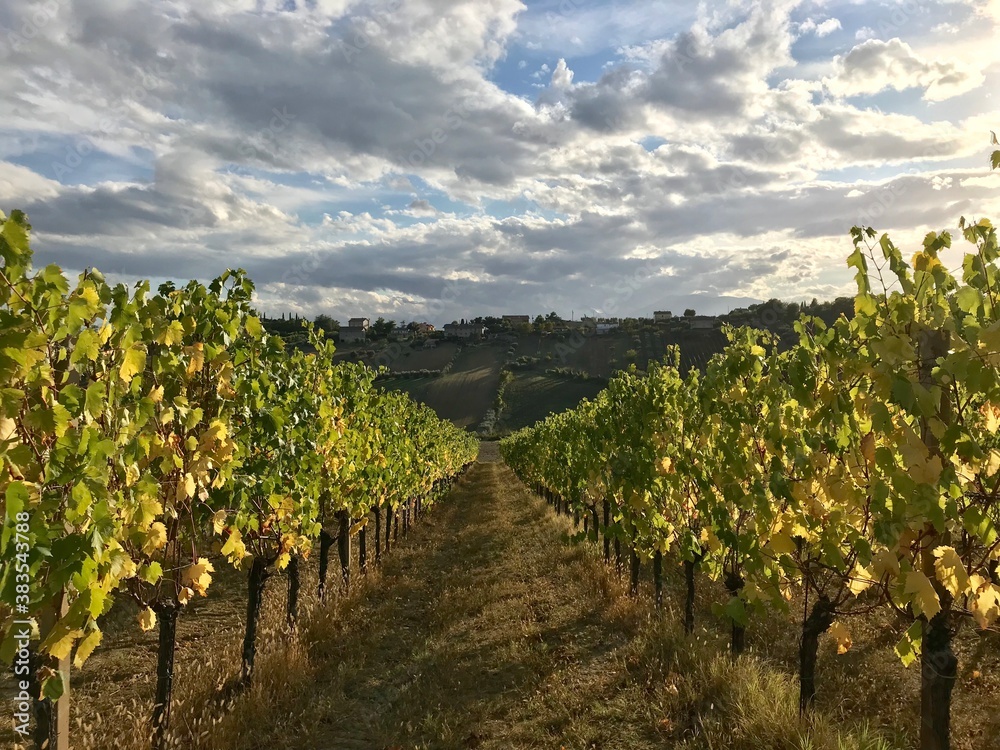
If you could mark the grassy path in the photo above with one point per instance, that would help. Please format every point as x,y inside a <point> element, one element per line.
<point>484,632</point>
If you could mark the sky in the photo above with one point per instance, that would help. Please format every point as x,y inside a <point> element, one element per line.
<point>440,159</point>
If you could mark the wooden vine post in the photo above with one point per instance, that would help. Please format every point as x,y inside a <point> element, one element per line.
<point>938,664</point>
<point>658,577</point>
<point>52,717</point>
<point>344,547</point>
<point>294,582</point>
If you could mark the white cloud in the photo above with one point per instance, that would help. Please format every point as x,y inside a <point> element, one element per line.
<point>562,76</point>
<point>821,29</point>
<point>828,26</point>
<point>874,66</point>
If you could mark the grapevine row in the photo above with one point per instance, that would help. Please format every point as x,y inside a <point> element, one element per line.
<point>144,435</point>
<point>858,469</point>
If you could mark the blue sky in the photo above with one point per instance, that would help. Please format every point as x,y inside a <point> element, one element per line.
<point>422,159</point>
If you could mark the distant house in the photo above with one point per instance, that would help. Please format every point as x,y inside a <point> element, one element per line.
<point>703,322</point>
<point>362,323</point>
<point>423,328</point>
<point>402,333</point>
<point>515,320</point>
<point>603,328</point>
<point>467,331</point>
<point>353,335</point>
<point>662,316</point>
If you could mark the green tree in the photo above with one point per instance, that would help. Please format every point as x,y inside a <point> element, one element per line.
<point>326,324</point>
<point>381,328</point>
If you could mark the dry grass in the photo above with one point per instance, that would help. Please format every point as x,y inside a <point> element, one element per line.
<point>484,629</point>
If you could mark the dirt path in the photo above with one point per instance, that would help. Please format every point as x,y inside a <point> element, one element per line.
<point>483,633</point>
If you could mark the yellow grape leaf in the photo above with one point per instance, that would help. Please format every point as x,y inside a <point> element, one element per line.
<point>173,334</point>
<point>219,521</point>
<point>912,449</point>
<point>128,569</point>
<point>928,472</point>
<point>185,595</point>
<point>196,361</point>
<point>925,599</point>
<point>666,465</point>
<point>993,466</point>
<point>925,262</point>
<point>861,579</point>
<point>147,619</point>
<point>60,641</point>
<point>234,548</point>
<point>133,363</point>
<point>156,394</point>
<point>86,647</point>
<point>842,636</point>
<point>197,576</point>
<point>868,447</point>
<point>885,564</point>
<point>7,427</point>
<point>950,571</point>
<point>149,508</point>
<point>709,539</point>
<point>991,412</point>
<point>782,543</point>
<point>185,488</point>
<point>156,538</point>
<point>131,475</point>
<point>282,562</point>
<point>985,605</point>
<point>89,295</point>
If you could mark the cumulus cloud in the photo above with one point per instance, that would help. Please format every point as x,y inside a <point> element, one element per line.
<point>874,66</point>
<point>821,29</point>
<point>562,76</point>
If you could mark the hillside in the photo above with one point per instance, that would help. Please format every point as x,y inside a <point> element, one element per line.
<point>463,395</point>
<point>468,390</point>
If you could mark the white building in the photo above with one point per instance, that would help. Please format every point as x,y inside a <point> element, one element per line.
<point>472,331</point>
<point>353,335</point>
<point>662,316</point>
<point>702,322</point>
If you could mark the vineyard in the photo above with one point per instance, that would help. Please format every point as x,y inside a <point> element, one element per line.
<point>851,476</point>
<point>148,438</point>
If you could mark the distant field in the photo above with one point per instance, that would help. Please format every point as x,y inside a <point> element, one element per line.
<point>401,357</point>
<point>531,397</point>
<point>696,347</point>
<point>591,353</point>
<point>466,393</point>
